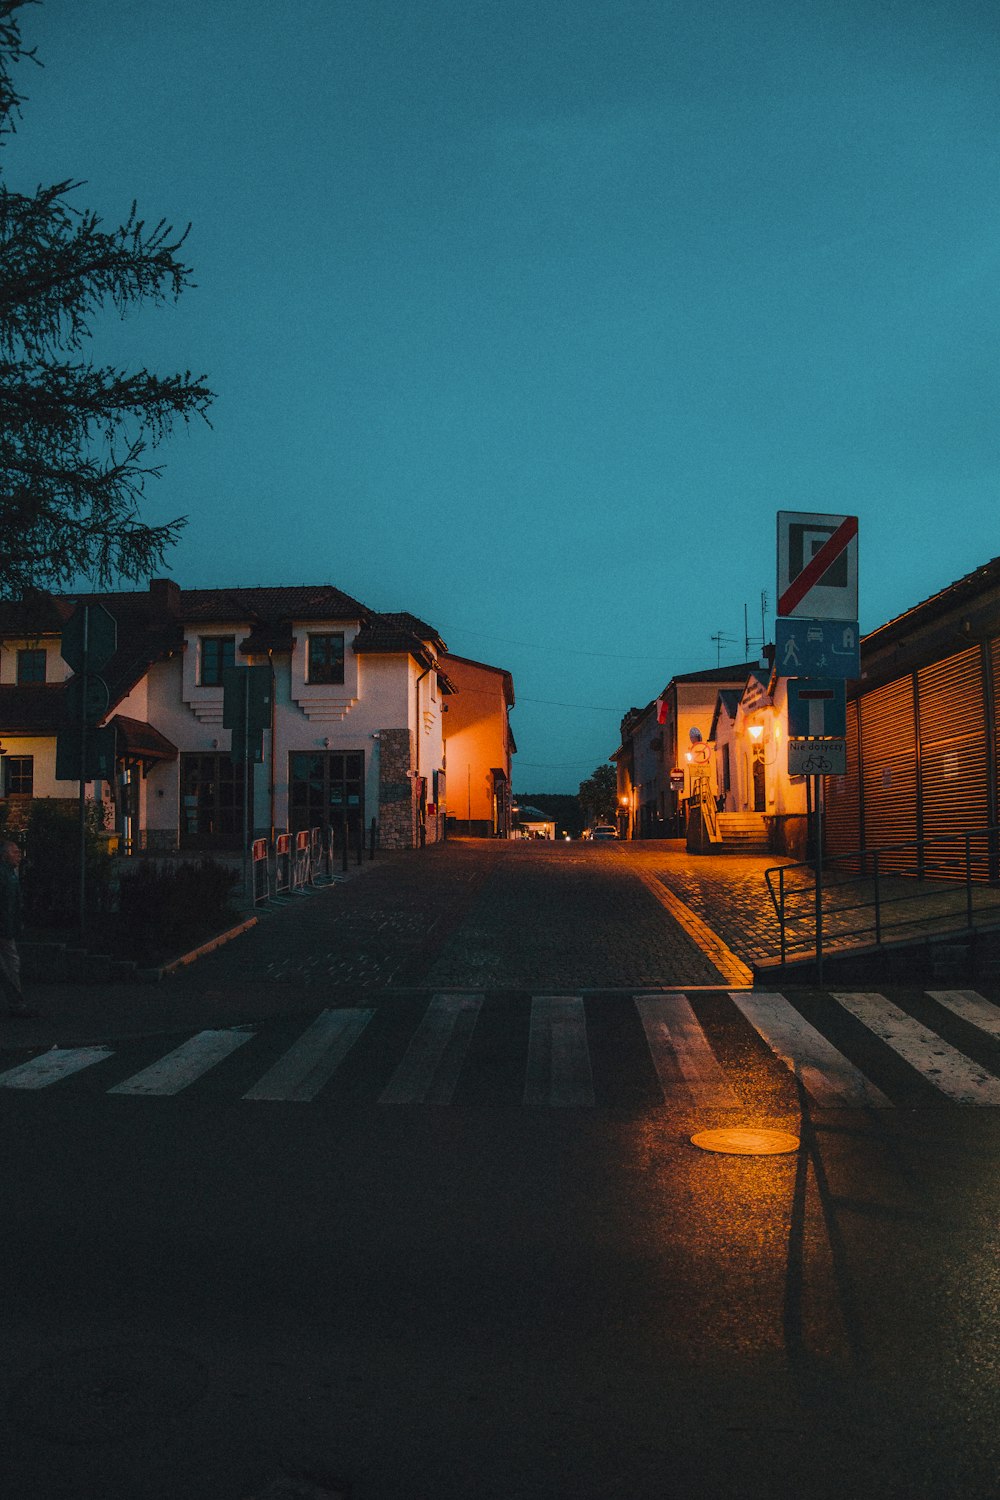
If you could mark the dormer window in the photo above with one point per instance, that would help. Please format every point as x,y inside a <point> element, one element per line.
<point>217,653</point>
<point>30,666</point>
<point>325,658</point>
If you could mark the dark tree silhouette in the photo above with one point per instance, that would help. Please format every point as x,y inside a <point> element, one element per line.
<point>75,436</point>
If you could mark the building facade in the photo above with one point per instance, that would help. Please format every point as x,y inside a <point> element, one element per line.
<point>356,735</point>
<point>923,728</point>
<point>480,746</point>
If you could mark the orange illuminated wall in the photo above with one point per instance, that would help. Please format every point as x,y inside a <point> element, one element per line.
<point>478,745</point>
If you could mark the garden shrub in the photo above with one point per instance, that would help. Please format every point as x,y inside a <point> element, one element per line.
<point>51,870</point>
<point>163,910</point>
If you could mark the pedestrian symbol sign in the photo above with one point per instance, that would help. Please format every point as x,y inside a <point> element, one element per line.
<point>817,648</point>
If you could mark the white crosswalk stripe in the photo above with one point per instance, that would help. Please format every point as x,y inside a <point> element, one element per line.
<point>422,1058</point>
<point>429,1071</point>
<point>941,1064</point>
<point>982,1014</point>
<point>558,1073</point>
<point>186,1063</point>
<point>679,1046</point>
<point>312,1061</point>
<point>49,1067</point>
<point>824,1072</point>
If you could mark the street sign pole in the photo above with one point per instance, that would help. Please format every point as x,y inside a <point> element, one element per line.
<point>819,881</point>
<point>83,773</point>
<point>246,785</point>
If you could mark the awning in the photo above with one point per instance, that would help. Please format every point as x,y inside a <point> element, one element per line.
<point>138,740</point>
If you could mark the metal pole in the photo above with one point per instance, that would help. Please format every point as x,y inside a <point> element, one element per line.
<point>819,880</point>
<point>246,774</point>
<point>83,771</point>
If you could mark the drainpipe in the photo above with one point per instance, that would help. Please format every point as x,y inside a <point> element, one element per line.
<point>425,673</point>
<point>274,715</point>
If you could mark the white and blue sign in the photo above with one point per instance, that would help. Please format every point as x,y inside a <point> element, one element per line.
<point>817,706</point>
<point>817,648</point>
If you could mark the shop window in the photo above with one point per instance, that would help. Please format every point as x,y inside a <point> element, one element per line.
<point>212,802</point>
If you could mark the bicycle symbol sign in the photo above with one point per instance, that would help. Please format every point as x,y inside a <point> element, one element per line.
<point>817,757</point>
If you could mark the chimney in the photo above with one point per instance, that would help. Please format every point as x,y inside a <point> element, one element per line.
<point>165,594</point>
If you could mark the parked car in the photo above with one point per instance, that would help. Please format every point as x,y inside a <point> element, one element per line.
<point>604,831</point>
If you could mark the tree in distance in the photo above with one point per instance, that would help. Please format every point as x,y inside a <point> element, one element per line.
<point>599,795</point>
<point>74,436</point>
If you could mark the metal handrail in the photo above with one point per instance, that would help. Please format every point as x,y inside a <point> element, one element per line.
<point>973,866</point>
<point>702,792</point>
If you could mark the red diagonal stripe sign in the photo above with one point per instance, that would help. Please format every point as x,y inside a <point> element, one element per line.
<point>817,565</point>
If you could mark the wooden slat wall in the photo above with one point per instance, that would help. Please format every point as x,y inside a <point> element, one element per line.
<point>889,770</point>
<point>841,795</point>
<point>951,709</point>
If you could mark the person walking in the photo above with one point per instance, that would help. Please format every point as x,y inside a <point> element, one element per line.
<point>11,928</point>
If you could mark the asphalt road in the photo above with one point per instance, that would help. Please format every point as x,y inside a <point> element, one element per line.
<point>499,1293</point>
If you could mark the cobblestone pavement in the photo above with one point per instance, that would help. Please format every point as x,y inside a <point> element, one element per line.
<point>570,916</point>
<point>728,891</point>
<point>476,913</point>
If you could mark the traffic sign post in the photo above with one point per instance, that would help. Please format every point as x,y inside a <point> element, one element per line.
<point>247,705</point>
<point>817,649</point>
<point>89,640</point>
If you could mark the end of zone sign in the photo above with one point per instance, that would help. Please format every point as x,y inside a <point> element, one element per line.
<point>817,565</point>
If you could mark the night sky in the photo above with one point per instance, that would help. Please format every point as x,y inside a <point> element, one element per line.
<point>529,317</point>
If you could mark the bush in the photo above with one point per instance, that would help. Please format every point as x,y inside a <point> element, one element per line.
<point>51,871</point>
<point>165,910</point>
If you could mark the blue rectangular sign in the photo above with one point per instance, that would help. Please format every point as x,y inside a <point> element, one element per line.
<point>817,648</point>
<point>817,706</point>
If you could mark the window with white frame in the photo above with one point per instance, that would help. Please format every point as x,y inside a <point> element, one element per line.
<point>325,657</point>
<point>217,653</point>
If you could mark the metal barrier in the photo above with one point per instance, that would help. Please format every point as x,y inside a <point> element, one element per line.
<point>940,884</point>
<point>315,854</point>
<point>261,872</point>
<point>300,862</point>
<point>282,863</point>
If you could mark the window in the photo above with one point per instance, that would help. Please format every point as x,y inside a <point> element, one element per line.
<point>20,777</point>
<point>212,802</point>
<point>325,660</point>
<point>30,666</point>
<point>217,653</point>
<point>327,790</point>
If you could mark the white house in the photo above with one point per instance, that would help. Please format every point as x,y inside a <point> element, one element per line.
<point>356,734</point>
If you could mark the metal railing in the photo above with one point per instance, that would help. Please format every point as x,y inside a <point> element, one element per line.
<point>702,794</point>
<point>934,885</point>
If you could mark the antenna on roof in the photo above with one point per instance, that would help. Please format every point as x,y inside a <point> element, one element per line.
<point>721,639</point>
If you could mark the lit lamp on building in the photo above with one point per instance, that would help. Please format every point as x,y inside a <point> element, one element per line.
<point>755,731</point>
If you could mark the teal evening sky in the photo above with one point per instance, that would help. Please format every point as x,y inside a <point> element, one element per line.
<point>529,317</point>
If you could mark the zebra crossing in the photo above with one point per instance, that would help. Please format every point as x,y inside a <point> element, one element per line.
<point>551,1051</point>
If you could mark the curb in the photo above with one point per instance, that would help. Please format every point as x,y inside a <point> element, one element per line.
<point>153,976</point>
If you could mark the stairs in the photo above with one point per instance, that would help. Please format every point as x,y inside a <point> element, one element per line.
<point>741,833</point>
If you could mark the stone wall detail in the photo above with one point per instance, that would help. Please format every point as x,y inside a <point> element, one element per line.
<point>397,812</point>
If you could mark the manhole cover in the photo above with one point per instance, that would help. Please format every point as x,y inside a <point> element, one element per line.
<point>101,1395</point>
<point>746,1142</point>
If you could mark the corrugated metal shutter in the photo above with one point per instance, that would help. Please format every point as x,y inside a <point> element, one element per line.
<point>842,797</point>
<point>994,659</point>
<point>889,771</point>
<point>952,721</point>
